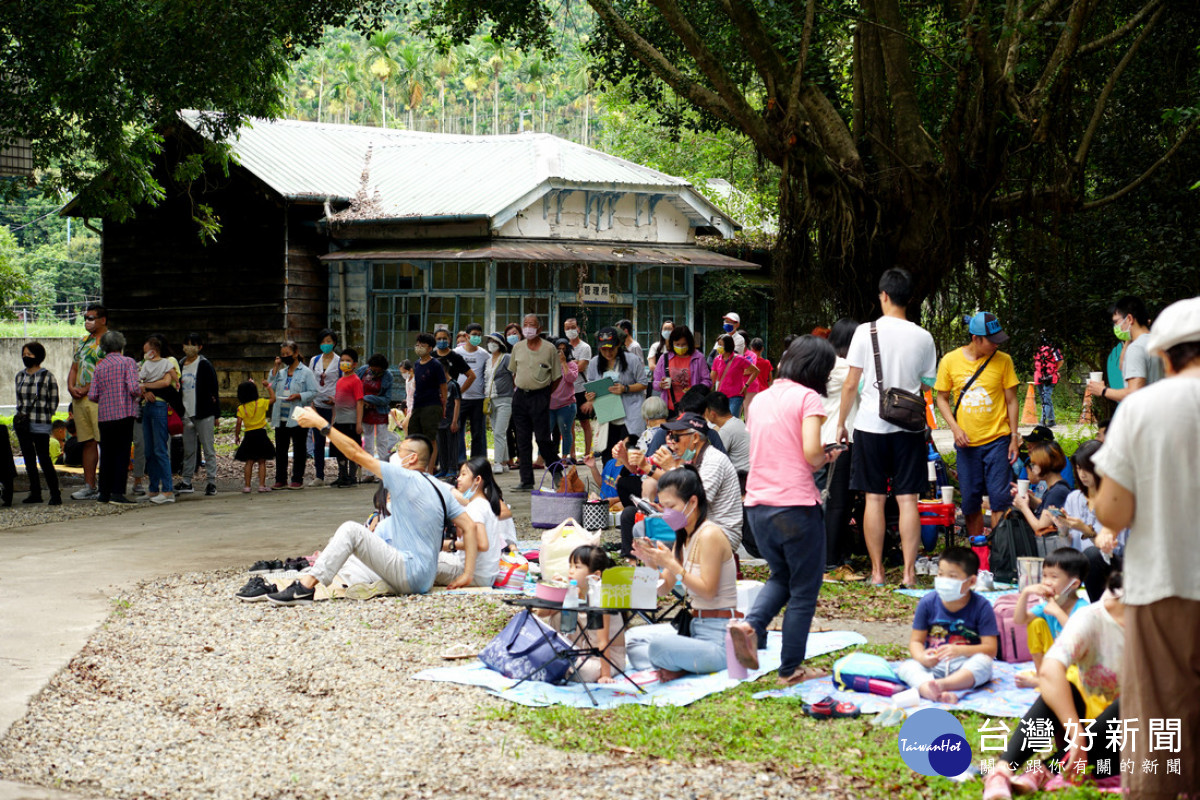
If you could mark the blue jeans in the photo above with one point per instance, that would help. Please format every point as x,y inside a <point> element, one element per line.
<point>1046,393</point>
<point>984,469</point>
<point>158,447</point>
<point>792,540</point>
<point>562,426</point>
<point>735,405</point>
<point>701,653</point>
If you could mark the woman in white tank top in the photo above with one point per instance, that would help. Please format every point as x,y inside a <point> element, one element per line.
<point>704,561</point>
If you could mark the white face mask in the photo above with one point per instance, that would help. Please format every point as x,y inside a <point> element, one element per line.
<point>530,333</point>
<point>493,347</point>
<point>572,334</point>
<point>666,332</point>
<point>948,589</point>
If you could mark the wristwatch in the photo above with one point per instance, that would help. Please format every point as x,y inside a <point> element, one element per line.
<point>326,429</point>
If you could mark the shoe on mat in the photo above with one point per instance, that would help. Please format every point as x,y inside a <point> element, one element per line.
<point>889,717</point>
<point>86,493</point>
<point>293,595</point>
<point>365,591</point>
<point>1034,780</point>
<point>829,708</point>
<point>120,500</point>
<point>161,499</point>
<point>210,490</point>
<point>255,590</point>
<point>183,487</point>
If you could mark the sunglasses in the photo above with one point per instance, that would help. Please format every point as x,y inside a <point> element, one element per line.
<point>675,437</point>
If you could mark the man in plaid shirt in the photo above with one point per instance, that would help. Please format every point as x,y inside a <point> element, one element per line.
<point>115,390</point>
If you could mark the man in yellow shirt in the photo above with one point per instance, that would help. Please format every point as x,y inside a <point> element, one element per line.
<point>983,385</point>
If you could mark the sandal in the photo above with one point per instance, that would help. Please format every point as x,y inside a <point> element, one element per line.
<point>830,708</point>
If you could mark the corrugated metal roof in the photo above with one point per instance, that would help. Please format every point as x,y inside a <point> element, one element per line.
<point>542,251</point>
<point>429,174</point>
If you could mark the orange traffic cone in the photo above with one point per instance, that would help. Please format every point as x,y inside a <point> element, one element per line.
<point>929,418</point>
<point>1029,416</point>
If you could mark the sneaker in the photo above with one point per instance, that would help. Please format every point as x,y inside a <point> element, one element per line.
<point>369,479</point>
<point>293,595</point>
<point>1034,780</point>
<point>184,488</point>
<point>996,786</point>
<point>31,500</point>
<point>365,591</point>
<point>295,485</point>
<point>317,482</point>
<point>138,491</point>
<point>525,487</point>
<point>261,567</point>
<point>160,499</point>
<point>210,490</point>
<point>120,500</point>
<point>255,590</point>
<point>54,501</point>
<point>86,493</point>
<point>279,485</point>
<point>296,564</point>
<point>143,497</point>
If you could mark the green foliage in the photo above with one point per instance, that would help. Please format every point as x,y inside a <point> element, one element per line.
<point>13,282</point>
<point>54,260</point>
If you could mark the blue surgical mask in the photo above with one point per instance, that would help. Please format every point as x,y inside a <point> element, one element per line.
<point>475,339</point>
<point>443,344</point>
<point>327,347</point>
<point>689,454</point>
<point>512,338</point>
<point>469,493</point>
<point>727,327</point>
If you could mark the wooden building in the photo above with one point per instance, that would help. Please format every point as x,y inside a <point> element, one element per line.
<point>382,233</point>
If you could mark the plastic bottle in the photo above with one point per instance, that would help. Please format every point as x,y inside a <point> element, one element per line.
<point>530,582</point>
<point>570,617</point>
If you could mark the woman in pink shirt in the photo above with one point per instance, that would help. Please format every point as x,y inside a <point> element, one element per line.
<point>764,368</point>
<point>562,403</point>
<point>783,506</point>
<point>732,374</point>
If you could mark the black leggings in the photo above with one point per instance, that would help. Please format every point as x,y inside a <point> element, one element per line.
<point>35,447</point>
<point>1019,751</point>
<point>347,469</point>
<point>297,439</point>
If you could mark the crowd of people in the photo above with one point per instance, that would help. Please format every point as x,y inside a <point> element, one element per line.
<point>730,451</point>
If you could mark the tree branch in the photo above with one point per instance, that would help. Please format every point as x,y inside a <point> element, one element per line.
<point>1145,176</point>
<point>1102,101</point>
<point>760,48</point>
<point>1068,44</point>
<point>1105,41</point>
<point>875,23</point>
<point>806,38</point>
<point>747,121</point>
<point>912,146</point>
<point>995,77</point>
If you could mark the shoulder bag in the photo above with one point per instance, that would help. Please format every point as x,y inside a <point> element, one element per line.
<point>900,407</point>
<point>970,383</point>
<point>448,530</point>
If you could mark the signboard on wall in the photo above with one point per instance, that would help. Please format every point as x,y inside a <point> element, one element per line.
<point>595,293</point>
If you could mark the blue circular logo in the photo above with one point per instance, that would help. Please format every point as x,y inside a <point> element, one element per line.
<point>933,742</point>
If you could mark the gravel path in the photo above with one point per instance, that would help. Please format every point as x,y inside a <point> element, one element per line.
<point>186,693</point>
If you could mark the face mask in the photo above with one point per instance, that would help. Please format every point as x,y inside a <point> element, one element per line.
<point>676,519</point>
<point>666,332</point>
<point>474,340</point>
<point>530,333</point>
<point>191,350</point>
<point>469,493</point>
<point>421,350</point>
<point>727,327</point>
<point>1122,334</point>
<point>948,589</point>
<point>287,360</point>
<point>680,349</point>
<point>720,350</point>
<point>1070,589</point>
<point>689,454</point>
<point>346,366</point>
<point>443,344</point>
<point>493,347</point>
<point>30,361</point>
<point>327,347</point>
<point>512,338</point>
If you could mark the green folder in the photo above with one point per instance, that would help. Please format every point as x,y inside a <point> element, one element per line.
<point>607,406</point>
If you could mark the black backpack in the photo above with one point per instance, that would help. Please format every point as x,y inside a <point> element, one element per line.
<point>1012,538</point>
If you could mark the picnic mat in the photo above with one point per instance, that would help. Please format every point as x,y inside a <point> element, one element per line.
<point>681,692</point>
<point>1000,697</point>
<point>989,596</point>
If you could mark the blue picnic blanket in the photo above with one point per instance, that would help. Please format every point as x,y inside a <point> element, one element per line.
<point>680,692</point>
<point>1000,697</point>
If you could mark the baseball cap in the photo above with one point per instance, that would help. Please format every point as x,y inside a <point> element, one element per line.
<point>1178,323</point>
<point>1039,434</point>
<point>733,317</point>
<point>606,336</point>
<point>687,422</point>
<point>986,325</point>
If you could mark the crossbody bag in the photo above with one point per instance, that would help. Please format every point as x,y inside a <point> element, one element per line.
<point>900,407</point>
<point>448,531</point>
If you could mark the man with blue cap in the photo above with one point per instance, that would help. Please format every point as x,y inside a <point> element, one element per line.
<point>981,382</point>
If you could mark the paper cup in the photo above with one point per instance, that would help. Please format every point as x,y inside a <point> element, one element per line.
<point>1022,488</point>
<point>1096,376</point>
<point>948,495</point>
<point>907,698</point>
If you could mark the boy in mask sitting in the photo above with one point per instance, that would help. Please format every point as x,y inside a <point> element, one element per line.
<point>954,633</point>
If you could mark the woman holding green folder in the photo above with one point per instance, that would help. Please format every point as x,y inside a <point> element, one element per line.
<point>628,376</point>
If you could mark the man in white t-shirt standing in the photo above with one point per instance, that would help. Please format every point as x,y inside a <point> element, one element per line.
<point>1149,462</point>
<point>882,451</point>
<point>583,354</point>
<point>471,405</point>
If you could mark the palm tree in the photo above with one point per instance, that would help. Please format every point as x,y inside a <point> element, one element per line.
<point>498,55</point>
<point>382,64</point>
<point>579,78</point>
<point>534,72</point>
<point>475,78</point>
<point>445,64</point>
<point>414,72</point>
